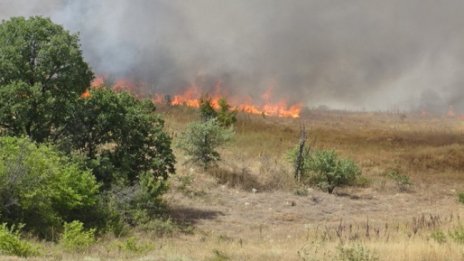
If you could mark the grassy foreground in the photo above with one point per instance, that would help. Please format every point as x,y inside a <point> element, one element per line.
<point>249,208</point>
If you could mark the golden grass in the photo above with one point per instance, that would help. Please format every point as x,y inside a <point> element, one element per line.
<point>232,223</point>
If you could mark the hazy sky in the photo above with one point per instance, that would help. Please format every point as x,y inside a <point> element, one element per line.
<point>372,54</point>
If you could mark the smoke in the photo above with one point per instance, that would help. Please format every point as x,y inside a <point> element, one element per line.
<point>347,54</point>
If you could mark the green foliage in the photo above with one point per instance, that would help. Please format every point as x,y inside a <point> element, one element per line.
<point>134,205</point>
<point>76,238</point>
<point>461,197</point>
<point>12,244</point>
<point>132,245</point>
<point>219,256</point>
<point>439,236</point>
<point>207,111</point>
<point>304,163</point>
<point>161,227</point>
<point>356,253</point>
<point>330,171</point>
<point>120,137</point>
<point>457,234</point>
<point>40,187</point>
<point>403,182</point>
<point>326,170</point>
<point>201,140</point>
<point>226,117</point>
<point>42,75</point>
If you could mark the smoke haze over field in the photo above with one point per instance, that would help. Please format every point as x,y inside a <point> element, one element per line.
<point>355,54</point>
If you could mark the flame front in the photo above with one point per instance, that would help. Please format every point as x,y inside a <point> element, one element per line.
<point>191,97</point>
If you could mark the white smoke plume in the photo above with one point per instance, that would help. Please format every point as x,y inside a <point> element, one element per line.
<point>356,54</point>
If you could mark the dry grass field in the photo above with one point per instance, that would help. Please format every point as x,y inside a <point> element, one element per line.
<point>249,207</point>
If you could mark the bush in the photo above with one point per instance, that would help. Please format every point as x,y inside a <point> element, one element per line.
<point>461,197</point>
<point>324,169</point>
<point>132,245</point>
<point>207,111</point>
<point>201,140</point>
<point>403,182</point>
<point>439,236</point>
<point>12,244</point>
<point>457,234</point>
<point>133,205</point>
<point>225,116</point>
<point>356,253</point>
<point>75,238</point>
<point>41,188</point>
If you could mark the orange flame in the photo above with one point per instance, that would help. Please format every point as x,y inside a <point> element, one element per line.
<point>191,97</point>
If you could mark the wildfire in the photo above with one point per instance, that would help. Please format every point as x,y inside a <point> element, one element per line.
<point>191,97</point>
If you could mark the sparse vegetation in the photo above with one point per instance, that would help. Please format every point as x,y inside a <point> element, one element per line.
<point>438,236</point>
<point>356,253</point>
<point>402,181</point>
<point>461,197</point>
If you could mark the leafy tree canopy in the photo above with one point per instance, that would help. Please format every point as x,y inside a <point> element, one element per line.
<point>42,75</point>
<point>120,137</point>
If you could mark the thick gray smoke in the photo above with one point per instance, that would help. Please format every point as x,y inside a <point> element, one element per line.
<point>376,54</point>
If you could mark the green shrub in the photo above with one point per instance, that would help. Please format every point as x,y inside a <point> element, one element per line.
<point>226,117</point>
<point>438,236</point>
<point>403,182</point>
<point>201,140</point>
<point>207,111</point>
<point>461,197</point>
<point>12,244</point>
<point>41,188</point>
<point>134,205</point>
<point>356,253</point>
<point>160,227</point>
<point>324,169</point>
<point>132,245</point>
<point>76,238</point>
<point>457,234</point>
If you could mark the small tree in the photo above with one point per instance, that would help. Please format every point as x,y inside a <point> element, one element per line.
<point>201,140</point>
<point>207,111</point>
<point>226,117</point>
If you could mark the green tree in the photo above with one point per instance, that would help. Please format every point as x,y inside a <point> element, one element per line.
<point>226,117</point>
<point>42,76</point>
<point>121,137</point>
<point>42,188</point>
<point>201,140</point>
<point>207,111</point>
